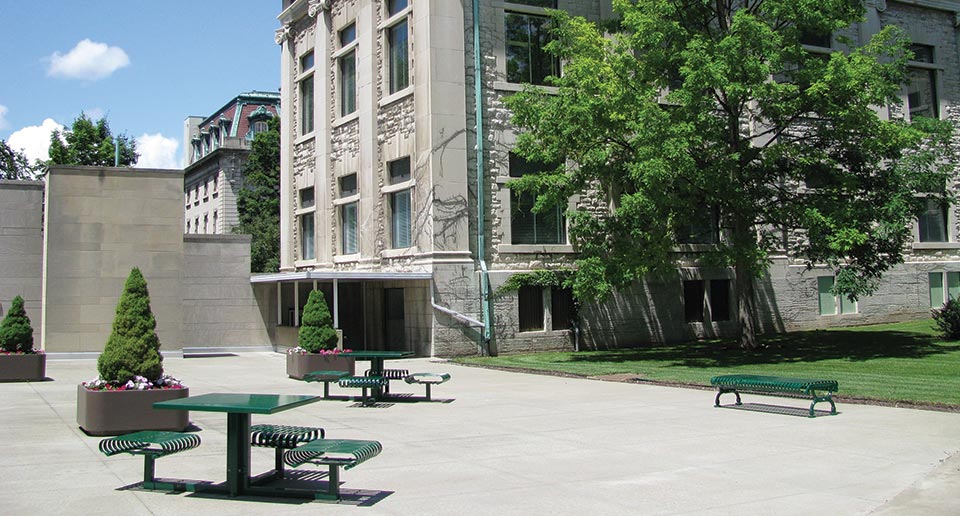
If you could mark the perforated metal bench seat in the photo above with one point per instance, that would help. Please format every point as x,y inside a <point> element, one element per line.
<point>152,444</point>
<point>388,374</point>
<point>326,377</point>
<point>774,385</point>
<point>282,438</point>
<point>363,382</point>
<point>333,453</point>
<point>427,379</point>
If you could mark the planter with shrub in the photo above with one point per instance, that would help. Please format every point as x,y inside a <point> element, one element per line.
<point>131,373</point>
<point>319,343</point>
<point>19,361</point>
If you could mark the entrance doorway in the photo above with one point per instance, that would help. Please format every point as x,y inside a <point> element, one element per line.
<point>393,320</point>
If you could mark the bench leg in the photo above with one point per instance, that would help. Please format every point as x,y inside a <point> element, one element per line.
<point>333,482</point>
<point>278,462</point>
<point>148,471</point>
<point>817,399</point>
<point>720,390</point>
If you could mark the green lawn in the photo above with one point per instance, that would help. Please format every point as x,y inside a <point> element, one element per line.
<point>904,362</point>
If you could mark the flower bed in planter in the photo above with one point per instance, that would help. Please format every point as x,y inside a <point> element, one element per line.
<point>113,410</point>
<point>299,362</point>
<point>23,367</point>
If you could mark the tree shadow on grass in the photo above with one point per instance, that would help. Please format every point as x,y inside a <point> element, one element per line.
<point>808,346</point>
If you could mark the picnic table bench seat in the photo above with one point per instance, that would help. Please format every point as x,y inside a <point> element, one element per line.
<point>817,390</point>
<point>388,374</point>
<point>427,379</point>
<point>363,382</point>
<point>326,377</point>
<point>282,438</point>
<point>152,444</point>
<point>334,453</point>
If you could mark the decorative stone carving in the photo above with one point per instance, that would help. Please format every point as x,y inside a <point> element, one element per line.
<point>282,34</point>
<point>316,6</point>
<point>879,5</point>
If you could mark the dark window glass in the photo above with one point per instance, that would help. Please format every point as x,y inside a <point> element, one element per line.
<point>395,6</point>
<point>306,198</point>
<point>400,219</point>
<point>549,226</point>
<point>922,53</point>
<point>399,59</point>
<point>348,219</point>
<point>530,302</point>
<point>348,83</point>
<point>348,34</point>
<point>693,300</point>
<point>527,61</point>
<point>307,236</point>
<point>815,39</point>
<point>348,185</point>
<point>562,309</point>
<point>536,3</point>
<point>720,300</point>
<point>933,222</point>
<point>306,106</point>
<point>306,61</point>
<point>922,98</point>
<point>399,170</point>
<point>705,230</point>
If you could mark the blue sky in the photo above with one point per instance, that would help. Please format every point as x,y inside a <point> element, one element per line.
<point>144,65</point>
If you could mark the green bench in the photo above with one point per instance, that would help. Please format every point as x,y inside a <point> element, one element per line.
<point>389,374</point>
<point>281,438</point>
<point>152,445</point>
<point>333,453</point>
<point>427,379</point>
<point>326,377</point>
<point>363,382</point>
<point>817,390</point>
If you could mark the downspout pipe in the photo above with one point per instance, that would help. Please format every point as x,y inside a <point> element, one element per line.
<point>485,300</point>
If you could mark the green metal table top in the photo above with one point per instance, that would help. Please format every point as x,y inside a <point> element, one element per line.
<point>377,354</point>
<point>238,403</point>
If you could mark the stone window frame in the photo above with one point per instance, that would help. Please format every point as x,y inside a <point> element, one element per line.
<point>708,298</point>
<point>342,52</point>
<point>339,203</point>
<point>387,191</point>
<point>949,286</point>
<point>383,28</point>
<point>838,303</point>
<point>936,69</point>
<point>547,308</point>
<point>501,8</point>
<point>300,215</point>
<point>506,204</point>
<point>304,75</point>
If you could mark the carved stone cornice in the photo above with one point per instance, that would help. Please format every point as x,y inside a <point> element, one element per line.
<point>315,6</point>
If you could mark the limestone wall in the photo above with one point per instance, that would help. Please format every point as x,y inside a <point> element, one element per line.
<point>21,248</point>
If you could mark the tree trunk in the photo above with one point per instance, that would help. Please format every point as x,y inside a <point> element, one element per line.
<point>746,305</point>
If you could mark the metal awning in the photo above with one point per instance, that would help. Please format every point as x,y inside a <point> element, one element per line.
<point>340,276</point>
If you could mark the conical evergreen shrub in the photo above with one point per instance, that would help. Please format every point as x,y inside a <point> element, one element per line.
<point>16,334</point>
<point>316,325</point>
<point>133,348</point>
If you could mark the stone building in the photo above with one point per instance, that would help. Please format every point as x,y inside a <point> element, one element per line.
<point>396,205</point>
<point>215,149</point>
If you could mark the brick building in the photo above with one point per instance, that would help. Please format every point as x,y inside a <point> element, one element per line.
<point>395,204</point>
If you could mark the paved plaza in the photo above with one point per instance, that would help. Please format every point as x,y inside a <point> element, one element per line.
<point>502,443</point>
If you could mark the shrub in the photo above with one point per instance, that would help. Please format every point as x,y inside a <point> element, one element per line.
<point>16,334</point>
<point>133,348</point>
<point>316,325</point>
<point>948,319</point>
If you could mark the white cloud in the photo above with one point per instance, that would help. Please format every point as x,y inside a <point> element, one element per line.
<point>157,151</point>
<point>34,140</point>
<point>3,117</point>
<point>88,60</point>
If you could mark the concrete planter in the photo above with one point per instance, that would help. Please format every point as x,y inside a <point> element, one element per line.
<point>121,412</point>
<point>23,368</point>
<point>300,364</point>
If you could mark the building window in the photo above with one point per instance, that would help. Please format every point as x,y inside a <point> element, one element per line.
<point>188,226</point>
<point>347,67</point>
<point>831,304</point>
<point>214,221</point>
<point>306,106</point>
<point>348,229</point>
<point>526,227</point>
<point>196,225</point>
<point>206,219</point>
<point>307,235</point>
<point>938,294</point>
<point>348,185</point>
<point>815,39</point>
<point>259,127</point>
<point>719,300</point>
<point>399,63</point>
<point>399,170</point>
<point>922,97</point>
<point>306,62</point>
<point>562,308</point>
<point>932,223</point>
<point>526,37</point>
<point>530,304</point>
<point>704,230</point>
<point>400,219</point>
<point>395,6</point>
<point>307,198</point>
<point>693,301</point>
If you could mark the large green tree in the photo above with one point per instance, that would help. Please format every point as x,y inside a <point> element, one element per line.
<point>91,143</point>
<point>258,202</point>
<point>683,111</point>
<point>15,164</point>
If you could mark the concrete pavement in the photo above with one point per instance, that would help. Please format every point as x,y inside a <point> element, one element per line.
<point>503,444</point>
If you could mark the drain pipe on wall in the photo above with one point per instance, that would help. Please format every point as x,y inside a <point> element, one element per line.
<point>486,337</point>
